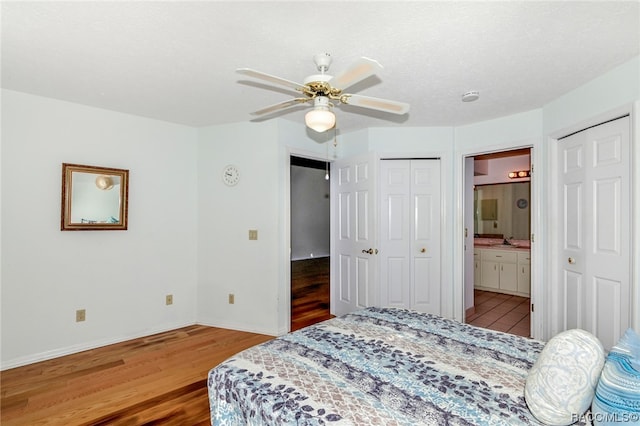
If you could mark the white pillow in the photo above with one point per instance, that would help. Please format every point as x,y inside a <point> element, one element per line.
<point>562,381</point>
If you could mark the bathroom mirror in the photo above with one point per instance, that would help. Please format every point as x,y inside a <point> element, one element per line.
<point>94,198</point>
<point>503,209</point>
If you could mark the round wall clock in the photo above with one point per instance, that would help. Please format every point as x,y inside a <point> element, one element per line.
<point>522,203</point>
<point>230,175</point>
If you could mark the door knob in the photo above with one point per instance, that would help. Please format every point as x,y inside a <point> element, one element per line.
<point>571,260</point>
<point>423,250</point>
<point>370,251</point>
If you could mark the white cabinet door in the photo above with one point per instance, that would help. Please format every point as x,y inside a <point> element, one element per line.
<point>477,269</point>
<point>524,273</point>
<point>509,277</point>
<point>490,274</point>
<point>410,234</point>
<point>594,236</point>
<point>524,279</point>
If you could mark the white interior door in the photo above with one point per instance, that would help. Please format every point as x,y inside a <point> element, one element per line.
<point>594,207</point>
<point>469,260</point>
<point>410,234</point>
<point>353,258</point>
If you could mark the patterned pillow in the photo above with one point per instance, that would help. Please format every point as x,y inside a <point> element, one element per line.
<point>561,384</point>
<point>617,398</point>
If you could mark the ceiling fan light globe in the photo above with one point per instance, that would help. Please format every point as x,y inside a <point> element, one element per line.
<point>320,120</point>
<point>104,182</point>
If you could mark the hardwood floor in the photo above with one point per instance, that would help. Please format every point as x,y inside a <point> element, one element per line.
<point>501,312</point>
<point>309,292</point>
<point>155,380</point>
<point>310,301</point>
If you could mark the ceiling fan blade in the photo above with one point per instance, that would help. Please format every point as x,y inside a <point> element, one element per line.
<point>280,105</point>
<point>385,105</point>
<point>272,79</point>
<point>356,72</point>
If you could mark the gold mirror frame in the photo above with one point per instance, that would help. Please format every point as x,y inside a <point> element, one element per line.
<point>94,198</point>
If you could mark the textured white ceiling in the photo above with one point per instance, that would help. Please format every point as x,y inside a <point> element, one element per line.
<point>176,61</point>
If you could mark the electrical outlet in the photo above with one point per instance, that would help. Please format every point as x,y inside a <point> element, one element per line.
<point>81,315</point>
<point>168,300</point>
<point>253,234</point>
<point>232,298</point>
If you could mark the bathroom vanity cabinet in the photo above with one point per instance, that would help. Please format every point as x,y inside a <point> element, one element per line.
<point>503,270</point>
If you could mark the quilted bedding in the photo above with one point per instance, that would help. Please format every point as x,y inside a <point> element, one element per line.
<point>378,366</point>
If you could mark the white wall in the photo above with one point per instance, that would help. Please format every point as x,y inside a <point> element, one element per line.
<point>618,87</point>
<point>256,272</point>
<point>119,277</point>
<point>310,213</point>
<point>228,262</point>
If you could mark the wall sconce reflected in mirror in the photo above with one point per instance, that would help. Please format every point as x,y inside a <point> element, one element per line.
<point>519,174</point>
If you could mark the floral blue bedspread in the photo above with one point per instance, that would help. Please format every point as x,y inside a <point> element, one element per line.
<point>378,366</point>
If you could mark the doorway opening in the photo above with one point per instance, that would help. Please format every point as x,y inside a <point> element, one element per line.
<point>310,242</point>
<point>497,241</point>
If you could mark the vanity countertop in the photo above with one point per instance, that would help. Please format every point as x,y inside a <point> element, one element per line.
<point>497,244</point>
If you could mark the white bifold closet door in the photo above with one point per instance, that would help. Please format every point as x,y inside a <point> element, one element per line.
<point>409,240</point>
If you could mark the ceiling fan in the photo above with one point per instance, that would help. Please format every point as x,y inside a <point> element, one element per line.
<point>321,89</point>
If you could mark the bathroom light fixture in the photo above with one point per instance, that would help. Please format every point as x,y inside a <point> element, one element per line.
<point>518,174</point>
<point>320,118</point>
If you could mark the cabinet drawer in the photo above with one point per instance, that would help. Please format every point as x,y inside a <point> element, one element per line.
<point>524,257</point>
<point>500,256</point>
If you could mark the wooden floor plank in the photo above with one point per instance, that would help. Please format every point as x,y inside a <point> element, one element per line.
<point>310,299</point>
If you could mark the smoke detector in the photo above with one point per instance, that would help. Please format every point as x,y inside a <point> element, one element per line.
<point>471,96</point>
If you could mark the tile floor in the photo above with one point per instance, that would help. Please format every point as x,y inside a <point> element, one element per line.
<point>502,312</point>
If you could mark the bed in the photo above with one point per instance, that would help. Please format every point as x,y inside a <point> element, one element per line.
<point>377,366</point>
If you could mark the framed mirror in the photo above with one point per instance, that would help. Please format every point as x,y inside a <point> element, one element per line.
<point>94,198</point>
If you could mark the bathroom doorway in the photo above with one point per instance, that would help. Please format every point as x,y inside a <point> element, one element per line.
<point>497,217</point>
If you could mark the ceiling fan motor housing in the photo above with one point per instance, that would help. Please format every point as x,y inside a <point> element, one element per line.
<point>319,85</point>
